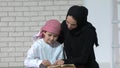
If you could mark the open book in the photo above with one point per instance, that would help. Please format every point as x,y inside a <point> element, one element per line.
<point>62,66</point>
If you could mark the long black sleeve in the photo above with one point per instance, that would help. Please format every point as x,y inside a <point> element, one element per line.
<point>82,49</point>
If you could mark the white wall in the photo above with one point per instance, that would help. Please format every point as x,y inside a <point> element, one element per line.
<point>20,20</point>
<point>100,14</point>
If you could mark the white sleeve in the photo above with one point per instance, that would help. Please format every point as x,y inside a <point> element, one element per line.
<point>32,59</point>
<point>61,53</point>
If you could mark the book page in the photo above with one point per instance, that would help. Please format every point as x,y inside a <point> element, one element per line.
<point>62,66</point>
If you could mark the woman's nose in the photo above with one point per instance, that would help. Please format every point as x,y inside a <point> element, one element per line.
<point>69,26</point>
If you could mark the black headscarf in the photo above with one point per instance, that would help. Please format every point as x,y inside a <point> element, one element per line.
<point>79,13</point>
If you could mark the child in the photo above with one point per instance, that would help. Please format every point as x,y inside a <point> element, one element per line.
<point>46,50</point>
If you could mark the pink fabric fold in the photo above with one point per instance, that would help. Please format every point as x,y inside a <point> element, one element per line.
<point>53,26</point>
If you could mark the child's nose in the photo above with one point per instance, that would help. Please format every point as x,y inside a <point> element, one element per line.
<point>52,38</point>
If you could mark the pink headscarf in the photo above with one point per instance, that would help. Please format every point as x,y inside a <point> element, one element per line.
<point>53,26</point>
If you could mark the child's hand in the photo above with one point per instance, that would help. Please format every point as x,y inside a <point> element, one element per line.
<point>46,63</point>
<point>59,62</point>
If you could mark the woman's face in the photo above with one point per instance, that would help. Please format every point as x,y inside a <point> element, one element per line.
<point>71,22</point>
<point>50,37</point>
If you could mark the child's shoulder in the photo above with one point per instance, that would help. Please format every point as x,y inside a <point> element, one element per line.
<point>37,42</point>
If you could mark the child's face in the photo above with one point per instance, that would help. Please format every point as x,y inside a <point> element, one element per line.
<point>50,37</point>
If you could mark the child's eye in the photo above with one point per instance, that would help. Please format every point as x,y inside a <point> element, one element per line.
<point>55,35</point>
<point>49,35</point>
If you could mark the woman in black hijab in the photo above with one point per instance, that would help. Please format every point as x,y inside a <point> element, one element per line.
<point>79,37</point>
